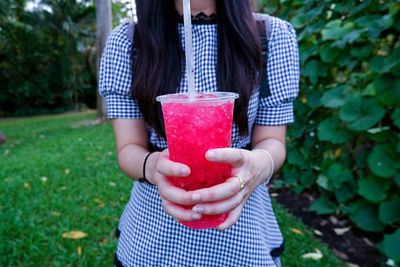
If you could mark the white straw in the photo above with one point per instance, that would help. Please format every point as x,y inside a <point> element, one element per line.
<point>187,22</point>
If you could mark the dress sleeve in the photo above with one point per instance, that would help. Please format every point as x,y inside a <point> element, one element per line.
<point>116,75</point>
<point>283,76</point>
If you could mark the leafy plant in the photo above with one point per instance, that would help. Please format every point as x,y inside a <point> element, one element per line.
<point>346,135</point>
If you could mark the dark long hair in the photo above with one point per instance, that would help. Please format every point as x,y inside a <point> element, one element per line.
<point>157,69</point>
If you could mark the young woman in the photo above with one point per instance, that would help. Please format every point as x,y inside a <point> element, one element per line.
<point>227,57</point>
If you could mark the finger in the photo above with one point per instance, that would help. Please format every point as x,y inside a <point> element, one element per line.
<point>172,193</point>
<point>222,191</point>
<point>168,167</point>
<point>180,213</point>
<point>232,217</point>
<point>234,156</point>
<point>219,206</point>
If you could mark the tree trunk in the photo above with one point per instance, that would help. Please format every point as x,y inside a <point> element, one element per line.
<point>104,27</point>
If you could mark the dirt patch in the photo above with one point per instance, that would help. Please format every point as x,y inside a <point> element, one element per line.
<point>86,123</point>
<point>348,242</point>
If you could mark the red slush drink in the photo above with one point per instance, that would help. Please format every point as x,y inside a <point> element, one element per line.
<point>193,126</point>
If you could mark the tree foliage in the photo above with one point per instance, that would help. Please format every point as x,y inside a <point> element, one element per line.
<point>47,55</point>
<point>345,142</point>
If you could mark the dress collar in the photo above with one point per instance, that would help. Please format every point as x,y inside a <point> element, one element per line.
<point>200,18</point>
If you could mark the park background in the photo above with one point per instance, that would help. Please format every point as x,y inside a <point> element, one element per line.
<point>58,173</point>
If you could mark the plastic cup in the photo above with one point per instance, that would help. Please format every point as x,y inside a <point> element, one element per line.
<point>193,126</point>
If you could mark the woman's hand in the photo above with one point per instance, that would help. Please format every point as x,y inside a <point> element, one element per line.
<point>252,166</point>
<point>170,194</point>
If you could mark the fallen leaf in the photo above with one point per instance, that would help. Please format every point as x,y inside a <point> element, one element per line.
<point>44,179</point>
<point>67,171</point>
<point>112,184</point>
<point>63,188</point>
<point>114,205</point>
<point>340,254</point>
<point>6,151</point>
<point>296,231</point>
<point>368,242</point>
<point>74,235</point>
<point>121,198</point>
<point>96,164</point>
<point>100,147</point>
<point>55,213</point>
<point>7,179</point>
<point>390,262</point>
<point>341,231</point>
<point>338,151</point>
<point>349,264</point>
<point>42,136</point>
<point>333,219</point>
<point>79,251</point>
<point>88,158</point>
<point>101,203</point>
<point>27,185</point>
<point>104,241</point>
<point>317,255</point>
<point>80,139</point>
<point>317,232</point>
<point>323,222</point>
<point>274,194</point>
<point>109,153</point>
<point>304,99</point>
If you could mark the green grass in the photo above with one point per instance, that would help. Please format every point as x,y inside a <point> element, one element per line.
<point>58,174</point>
<point>297,245</point>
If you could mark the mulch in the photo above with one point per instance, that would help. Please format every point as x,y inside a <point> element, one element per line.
<point>354,246</point>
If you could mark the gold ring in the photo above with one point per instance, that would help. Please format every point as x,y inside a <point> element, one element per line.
<point>242,182</point>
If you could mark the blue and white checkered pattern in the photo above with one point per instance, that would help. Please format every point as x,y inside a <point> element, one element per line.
<point>149,237</point>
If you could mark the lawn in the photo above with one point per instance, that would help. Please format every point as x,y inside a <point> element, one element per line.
<point>60,174</point>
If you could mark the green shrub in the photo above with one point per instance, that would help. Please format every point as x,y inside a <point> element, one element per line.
<point>345,142</point>
<point>47,59</point>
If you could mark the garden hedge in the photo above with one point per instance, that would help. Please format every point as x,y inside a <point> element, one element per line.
<point>345,143</point>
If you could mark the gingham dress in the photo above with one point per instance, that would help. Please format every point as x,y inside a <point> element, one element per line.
<point>149,237</point>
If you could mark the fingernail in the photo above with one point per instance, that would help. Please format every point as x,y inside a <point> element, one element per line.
<point>196,197</point>
<point>210,155</point>
<point>221,227</point>
<point>196,216</point>
<point>183,171</point>
<point>198,209</point>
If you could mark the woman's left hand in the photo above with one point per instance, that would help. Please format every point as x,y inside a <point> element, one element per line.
<point>252,166</point>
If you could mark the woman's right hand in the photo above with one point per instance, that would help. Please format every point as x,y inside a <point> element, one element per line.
<point>170,194</point>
